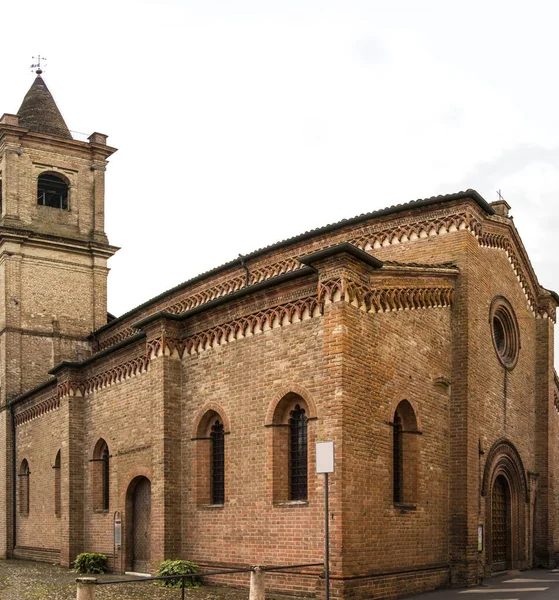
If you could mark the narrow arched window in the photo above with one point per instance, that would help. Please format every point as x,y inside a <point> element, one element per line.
<point>105,465</point>
<point>298,454</point>
<point>52,191</point>
<point>57,490</point>
<point>405,455</point>
<point>397,460</point>
<point>100,476</point>
<point>24,490</point>
<point>218,463</point>
<point>210,450</point>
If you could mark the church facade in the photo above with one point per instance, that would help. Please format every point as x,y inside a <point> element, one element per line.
<point>417,338</point>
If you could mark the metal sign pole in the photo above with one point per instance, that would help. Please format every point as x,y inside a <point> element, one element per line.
<point>325,464</point>
<point>117,537</point>
<point>326,539</point>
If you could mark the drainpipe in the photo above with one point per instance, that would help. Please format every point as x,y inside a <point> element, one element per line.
<point>14,476</point>
<point>242,259</point>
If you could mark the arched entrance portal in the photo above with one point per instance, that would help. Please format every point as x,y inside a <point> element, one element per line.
<point>500,525</point>
<point>138,509</point>
<point>506,508</point>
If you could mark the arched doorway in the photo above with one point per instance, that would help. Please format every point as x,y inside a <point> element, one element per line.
<point>500,525</point>
<point>138,508</point>
<point>507,509</point>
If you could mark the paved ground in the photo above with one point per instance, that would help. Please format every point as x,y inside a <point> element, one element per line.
<point>537,584</point>
<point>26,580</point>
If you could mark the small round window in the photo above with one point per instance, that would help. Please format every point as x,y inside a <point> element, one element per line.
<point>505,333</point>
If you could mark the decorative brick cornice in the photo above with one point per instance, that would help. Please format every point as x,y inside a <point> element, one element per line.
<point>119,336</point>
<point>547,312</point>
<point>546,308</point>
<point>249,325</point>
<point>385,299</point>
<point>164,345</point>
<point>378,236</point>
<point>232,285</point>
<point>409,232</point>
<point>502,242</point>
<point>42,408</point>
<point>69,388</point>
<point>116,374</point>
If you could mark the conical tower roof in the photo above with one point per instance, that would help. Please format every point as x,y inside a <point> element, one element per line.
<point>38,111</point>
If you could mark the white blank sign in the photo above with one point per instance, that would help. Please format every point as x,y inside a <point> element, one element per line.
<point>325,457</point>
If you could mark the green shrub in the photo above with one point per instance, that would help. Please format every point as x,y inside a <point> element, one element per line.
<point>89,562</point>
<point>178,567</point>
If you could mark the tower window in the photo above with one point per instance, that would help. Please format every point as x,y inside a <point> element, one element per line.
<point>52,191</point>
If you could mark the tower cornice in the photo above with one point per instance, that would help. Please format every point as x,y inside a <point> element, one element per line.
<point>28,137</point>
<point>53,242</point>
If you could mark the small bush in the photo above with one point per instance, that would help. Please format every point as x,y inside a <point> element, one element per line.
<point>89,562</point>
<point>178,567</point>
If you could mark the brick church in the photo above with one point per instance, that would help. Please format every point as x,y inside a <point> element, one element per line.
<point>416,337</point>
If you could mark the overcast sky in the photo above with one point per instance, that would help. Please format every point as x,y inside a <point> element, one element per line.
<point>241,123</point>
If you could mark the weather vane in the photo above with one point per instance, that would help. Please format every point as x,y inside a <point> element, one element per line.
<point>37,65</point>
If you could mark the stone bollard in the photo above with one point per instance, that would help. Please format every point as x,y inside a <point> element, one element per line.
<point>86,588</point>
<point>257,584</point>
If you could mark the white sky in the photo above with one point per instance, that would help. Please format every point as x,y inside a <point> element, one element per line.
<point>241,123</point>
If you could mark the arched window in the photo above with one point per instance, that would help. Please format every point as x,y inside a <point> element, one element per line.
<point>105,467</point>
<point>52,191</point>
<point>210,452</point>
<point>298,454</point>
<point>218,463</point>
<point>24,490</point>
<point>289,449</point>
<point>398,460</point>
<point>57,490</point>
<point>100,480</point>
<point>405,454</point>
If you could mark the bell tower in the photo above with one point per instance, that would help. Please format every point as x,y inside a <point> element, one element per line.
<point>53,247</point>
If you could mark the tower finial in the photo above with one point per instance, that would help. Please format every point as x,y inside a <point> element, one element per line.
<point>37,65</point>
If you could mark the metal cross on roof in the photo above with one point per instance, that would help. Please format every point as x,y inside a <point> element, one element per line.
<point>499,194</point>
<point>37,65</point>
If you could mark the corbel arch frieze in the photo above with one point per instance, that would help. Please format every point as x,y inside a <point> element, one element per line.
<point>525,277</point>
<point>383,298</point>
<point>368,238</point>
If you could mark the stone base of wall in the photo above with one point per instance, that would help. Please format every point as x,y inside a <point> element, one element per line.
<point>303,582</point>
<point>50,555</point>
<point>375,585</point>
<point>391,585</point>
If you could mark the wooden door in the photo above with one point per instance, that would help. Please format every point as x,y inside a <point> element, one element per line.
<point>500,525</point>
<point>141,526</point>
